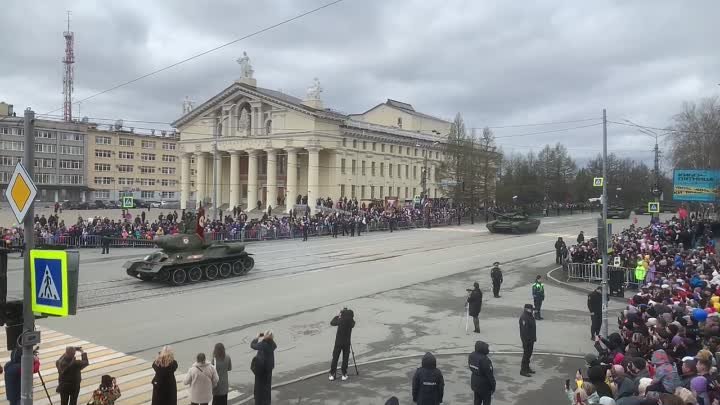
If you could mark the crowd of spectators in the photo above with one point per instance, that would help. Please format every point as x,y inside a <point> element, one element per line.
<point>667,348</point>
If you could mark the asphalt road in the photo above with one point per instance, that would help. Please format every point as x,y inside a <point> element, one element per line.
<point>407,289</point>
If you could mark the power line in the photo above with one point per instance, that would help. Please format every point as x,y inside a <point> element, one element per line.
<point>206,52</point>
<point>548,132</point>
<point>668,131</point>
<point>541,123</point>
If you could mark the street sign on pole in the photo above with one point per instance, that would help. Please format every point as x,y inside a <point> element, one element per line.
<point>21,192</point>
<point>598,181</point>
<point>53,278</point>
<point>128,201</point>
<point>653,207</point>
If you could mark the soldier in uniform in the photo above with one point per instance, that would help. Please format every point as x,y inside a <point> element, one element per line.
<point>497,279</point>
<point>528,338</point>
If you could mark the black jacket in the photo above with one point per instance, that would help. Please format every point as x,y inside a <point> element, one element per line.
<point>428,385</point>
<point>164,384</point>
<point>496,275</point>
<point>345,325</point>
<point>475,301</point>
<point>265,357</point>
<point>594,302</point>
<point>527,327</point>
<point>483,376</point>
<point>70,373</point>
<point>559,245</point>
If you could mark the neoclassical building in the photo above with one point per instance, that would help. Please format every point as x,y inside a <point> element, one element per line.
<point>254,144</point>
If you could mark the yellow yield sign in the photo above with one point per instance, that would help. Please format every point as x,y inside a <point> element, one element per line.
<point>21,192</point>
<point>598,181</point>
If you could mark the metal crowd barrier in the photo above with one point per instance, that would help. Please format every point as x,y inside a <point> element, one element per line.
<point>592,272</point>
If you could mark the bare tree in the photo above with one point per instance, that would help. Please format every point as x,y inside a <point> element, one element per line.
<point>695,144</point>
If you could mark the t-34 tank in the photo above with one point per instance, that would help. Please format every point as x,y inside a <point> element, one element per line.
<point>187,258</point>
<point>513,222</point>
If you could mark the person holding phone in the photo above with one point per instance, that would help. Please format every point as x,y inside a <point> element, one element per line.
<point>70,374</point>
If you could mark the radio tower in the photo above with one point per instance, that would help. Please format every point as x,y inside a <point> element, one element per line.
<point>68,78</point>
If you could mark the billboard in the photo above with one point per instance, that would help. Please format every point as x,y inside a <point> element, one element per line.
<point>696,185</point>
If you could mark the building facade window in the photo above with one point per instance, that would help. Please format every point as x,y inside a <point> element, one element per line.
<point>416,151</point>
<point>344,142</point>
<point>342,166</point>
<point>406,192</point>
<point>398,193</point>
<point>407,171</point>
<point>147,144</point>
<point>414,172</point>
<point>167,170</point>
<point>362,166</point>
<point>382,170</point>
<point>362,192</point>
<point>372,169</point>
<point>103,180</point>
<point>372,192</point>
<point>407,151</point>
<point>167,194</point>
<point>168,183</point>
<point>352,167</point>
<point>399,122</point>
<point>126,181</point>
<point>126,155</point>
<point>103,140</point>
<point>44,134</point>
<point>399,167</point>
<point>126,142</point>
<point>5,177</point>
<point>125,168</point>
<point>354,144</point>
<point>44,178</point>
<point>147,194</point>
<point>10,161</point>
<point>70,150</point>
<point>102,194</point>
<point>381,192</point>
<point>70,179</point>
<point>168,146</point>
<point>374,146</point>
<point>74,164</point>
<point>48,148</point>
<point>147,182</point>
<point>147,157</point>
<point>168,158</point>
<point>71,137</point>
<point>342,191</point>
<point>392,148</point>
<point>364,145</point>
<point>44,163</point>
<point>102,167</point>
<point>99,153</point>
<point>390,169</point>
<point>13,145</point>
<point>147,169</point>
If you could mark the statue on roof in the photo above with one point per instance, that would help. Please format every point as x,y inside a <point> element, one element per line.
<point>313,92</point>
<point>187,105</point>
<point>246,70</point>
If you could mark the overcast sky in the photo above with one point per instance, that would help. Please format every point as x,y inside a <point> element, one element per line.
<point>497,62</point>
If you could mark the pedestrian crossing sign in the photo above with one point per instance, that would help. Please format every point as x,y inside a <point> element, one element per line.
<point>128,202</point>
<point>598,182</point>
<point>654,207</point>
<point>49,279</point>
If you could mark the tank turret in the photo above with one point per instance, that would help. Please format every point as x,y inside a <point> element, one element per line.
<point>513,222</point>
<point>187,258</point>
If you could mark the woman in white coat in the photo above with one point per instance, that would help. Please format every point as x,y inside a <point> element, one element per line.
<point>202,378</point>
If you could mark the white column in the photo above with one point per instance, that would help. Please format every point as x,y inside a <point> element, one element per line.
<point>271,177</point>
<point>200,178</point>
<point>234,179</point>
<point>57,196</point>
<point>292,175</point>
<point>184,180</point>
<point>252,195</point>
<point>313,176</point>
<point>217,193</point>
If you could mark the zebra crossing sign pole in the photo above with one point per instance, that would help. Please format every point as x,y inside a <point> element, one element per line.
<point>54,281</point>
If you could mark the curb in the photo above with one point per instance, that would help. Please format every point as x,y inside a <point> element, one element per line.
<point>574,287</point>
<point>455,352</point>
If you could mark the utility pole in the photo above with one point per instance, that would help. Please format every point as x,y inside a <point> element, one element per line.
<point>216,165</point>
<point>656,186</point>
<point>26,364</point>
<point>604,232</point>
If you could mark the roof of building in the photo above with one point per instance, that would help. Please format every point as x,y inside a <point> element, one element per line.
<point>406,107</point>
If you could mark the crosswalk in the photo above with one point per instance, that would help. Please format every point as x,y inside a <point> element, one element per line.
<point>133,374</point>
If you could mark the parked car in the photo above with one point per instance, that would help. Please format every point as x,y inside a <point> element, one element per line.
<point>618,212</point>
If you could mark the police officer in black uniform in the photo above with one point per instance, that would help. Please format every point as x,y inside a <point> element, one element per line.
<point>482,380</point>
<point>528,338</point>
<point>497,279</point>
<point>105,242</point>
<point>559,245</point>
<point>475,305</point>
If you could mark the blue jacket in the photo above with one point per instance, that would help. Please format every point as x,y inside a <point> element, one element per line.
<point>12,376</point>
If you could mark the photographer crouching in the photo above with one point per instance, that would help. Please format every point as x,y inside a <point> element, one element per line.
<point>345,324</point>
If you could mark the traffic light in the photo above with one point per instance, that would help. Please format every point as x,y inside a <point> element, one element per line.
<point>13,320</point>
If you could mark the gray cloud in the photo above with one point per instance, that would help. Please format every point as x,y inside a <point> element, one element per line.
<point>496,62</point>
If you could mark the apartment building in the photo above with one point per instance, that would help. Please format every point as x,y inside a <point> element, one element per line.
<point>60,151</point>
<point>122,162</point>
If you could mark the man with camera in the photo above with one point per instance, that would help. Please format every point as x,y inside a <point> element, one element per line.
<point>345,323</point>
<point>474,301</point>
<point>69,374</point>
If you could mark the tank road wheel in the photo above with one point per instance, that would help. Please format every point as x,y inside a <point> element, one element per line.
<point>248,264</point>
<point>211,272</point>
<point>237,268</point>
<point>178,277</point>
<point>225,270</point>
<point>195,274</point>
<point>146,277</point>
